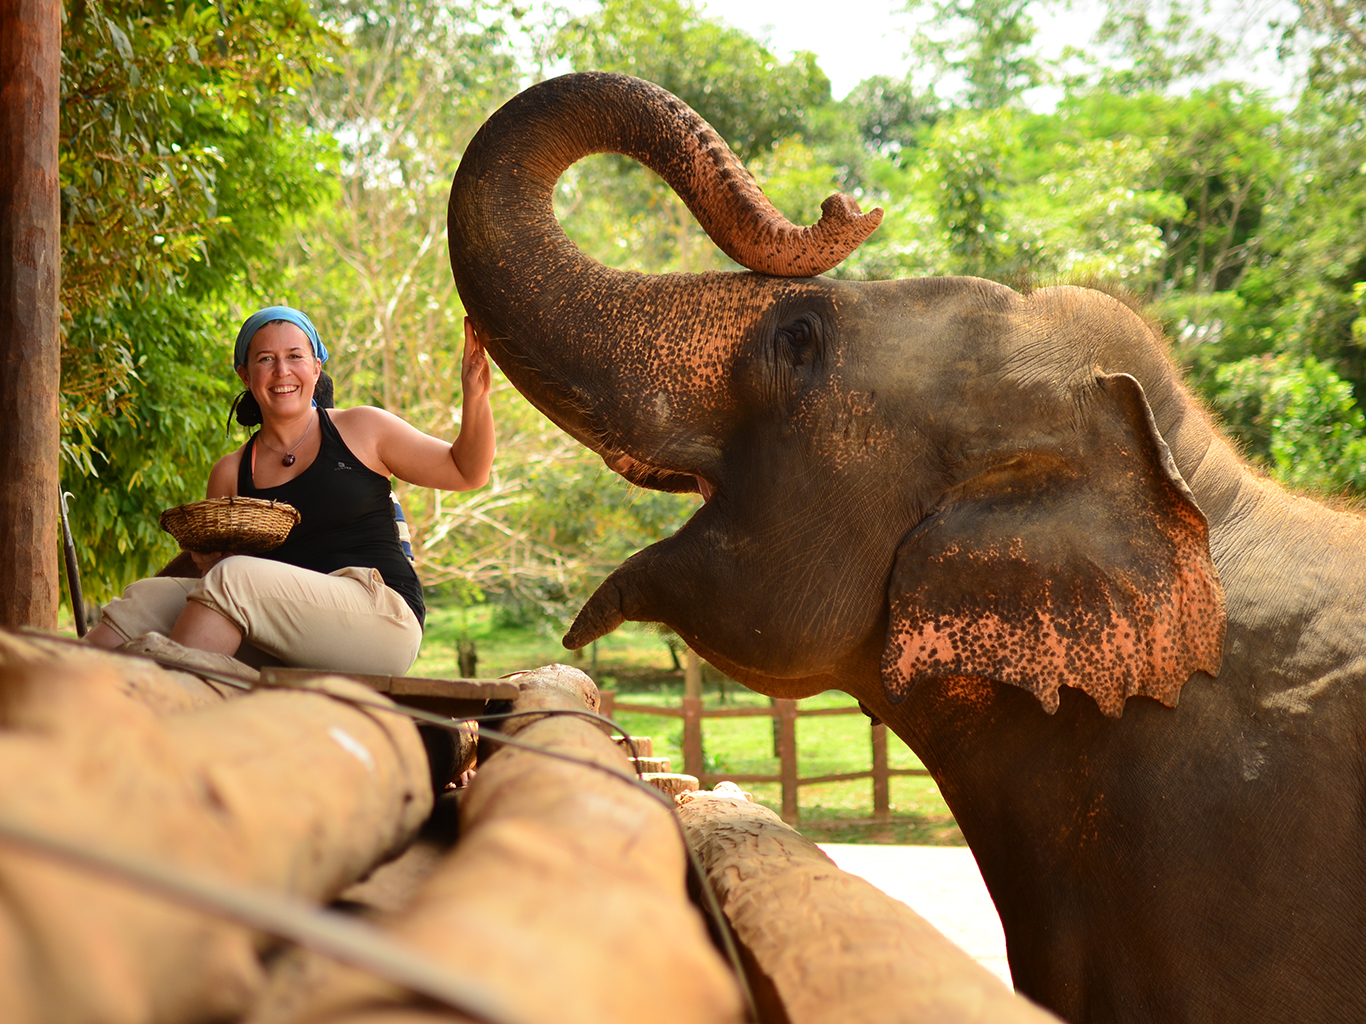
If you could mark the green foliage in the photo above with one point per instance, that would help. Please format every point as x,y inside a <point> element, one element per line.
<point>987,42</point>
<point>158,453</point>
<point>1217,148</point>
<point>1299,419</point>
<point>1161,43</point>
<point>752,99</point>
<point>156,98</point>
<point>891,114</point>
<point>178,166</point>
<point>1093,219</point>
<point>966,167</point>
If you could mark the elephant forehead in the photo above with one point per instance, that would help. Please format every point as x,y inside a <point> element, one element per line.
<point>690,338</point>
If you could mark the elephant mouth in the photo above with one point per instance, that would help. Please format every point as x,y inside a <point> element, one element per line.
<point>659,478</point>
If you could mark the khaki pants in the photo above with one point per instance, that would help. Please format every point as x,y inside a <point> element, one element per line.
<point>346,621</point>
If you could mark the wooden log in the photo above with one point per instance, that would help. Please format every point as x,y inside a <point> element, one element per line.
<point>826,947</point>
<point>650,764</point>
<point>163,691</point>
<point>289,790</point>
<point>671,783</point>
<point>565,894</point>
<point>30,270</point>
<point>644,746</point>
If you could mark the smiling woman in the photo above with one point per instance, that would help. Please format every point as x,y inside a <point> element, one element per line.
<point>339,592</point>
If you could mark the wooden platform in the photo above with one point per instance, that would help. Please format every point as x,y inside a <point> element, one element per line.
<point>458,698</point>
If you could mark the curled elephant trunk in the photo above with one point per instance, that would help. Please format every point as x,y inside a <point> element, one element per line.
<point>596,348</point>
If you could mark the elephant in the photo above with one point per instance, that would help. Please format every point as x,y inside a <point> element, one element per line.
<point>998,519</point>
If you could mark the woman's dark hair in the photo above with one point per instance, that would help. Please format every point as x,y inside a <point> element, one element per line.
<point>247,411</point>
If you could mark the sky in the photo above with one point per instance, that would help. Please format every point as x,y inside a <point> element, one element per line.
<point>854,39</point>
<point>871,37</point>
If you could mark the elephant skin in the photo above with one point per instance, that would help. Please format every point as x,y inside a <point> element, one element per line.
<point>999,520</point>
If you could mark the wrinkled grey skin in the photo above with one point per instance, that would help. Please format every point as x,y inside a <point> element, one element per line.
<point>948,451</point>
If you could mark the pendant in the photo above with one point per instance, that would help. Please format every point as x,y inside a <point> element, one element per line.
<point>288,460</point>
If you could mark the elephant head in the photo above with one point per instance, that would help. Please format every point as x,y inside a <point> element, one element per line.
<point>938,477</point>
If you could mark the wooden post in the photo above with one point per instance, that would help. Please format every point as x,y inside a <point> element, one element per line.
<point>30,264</point>
<point>692,735</point>
<point>777,728</point>
<point>787,755</point>
<point>692,713</point>
<point>607,703</point>
<point>882,794</point>
<point>692,675</point>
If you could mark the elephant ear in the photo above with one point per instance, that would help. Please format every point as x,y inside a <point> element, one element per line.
<point>1085,566</point>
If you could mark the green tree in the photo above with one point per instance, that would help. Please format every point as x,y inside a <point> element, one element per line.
<point>1299,419</point>
<point>1160,44</point>
<point>892,116</point>
<point>968,160</point>
<point>990,43</point>
<point>1091,218</point>
<point>751,98</point>
<point>178,169</point>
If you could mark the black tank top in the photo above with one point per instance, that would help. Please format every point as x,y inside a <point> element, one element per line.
<point>346,517</point>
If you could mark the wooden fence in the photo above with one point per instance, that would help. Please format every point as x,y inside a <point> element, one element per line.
<point>784,714</point>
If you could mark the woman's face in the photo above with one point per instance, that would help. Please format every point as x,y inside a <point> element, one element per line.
<point>281,370</point>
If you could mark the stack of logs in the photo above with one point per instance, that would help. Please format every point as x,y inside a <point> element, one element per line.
<point>564,899</point>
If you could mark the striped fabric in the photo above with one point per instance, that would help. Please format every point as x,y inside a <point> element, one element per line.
<point>405,540</point>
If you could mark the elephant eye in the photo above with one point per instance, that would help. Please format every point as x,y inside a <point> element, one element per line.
<point>799,339</point>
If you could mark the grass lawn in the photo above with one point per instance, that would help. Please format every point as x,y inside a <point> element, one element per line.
<point>635,662</point>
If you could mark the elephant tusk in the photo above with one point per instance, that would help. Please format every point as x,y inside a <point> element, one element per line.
<point>704,488</point>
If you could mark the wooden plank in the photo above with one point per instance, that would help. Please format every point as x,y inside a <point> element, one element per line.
<point>401,686</point>
<point>825,946</point>
<point>455,698</point>
<point>837,777</point>
<point>469,689</point>
<point>650,709</point>
<point>30,274</point>
<point>736,712</point>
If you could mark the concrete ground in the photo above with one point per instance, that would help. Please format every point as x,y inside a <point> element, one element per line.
<point>942,885</point>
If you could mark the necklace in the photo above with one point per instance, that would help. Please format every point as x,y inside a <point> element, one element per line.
<point>288,459</point>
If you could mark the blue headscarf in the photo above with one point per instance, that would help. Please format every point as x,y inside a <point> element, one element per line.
<point>262,317</point>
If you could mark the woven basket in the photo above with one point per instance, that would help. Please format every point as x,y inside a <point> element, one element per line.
<point>246,526</point>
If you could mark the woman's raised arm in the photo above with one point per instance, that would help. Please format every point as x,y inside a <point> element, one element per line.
<point>428,461</point>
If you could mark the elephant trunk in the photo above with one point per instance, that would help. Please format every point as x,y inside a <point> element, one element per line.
<point>630,364</point>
